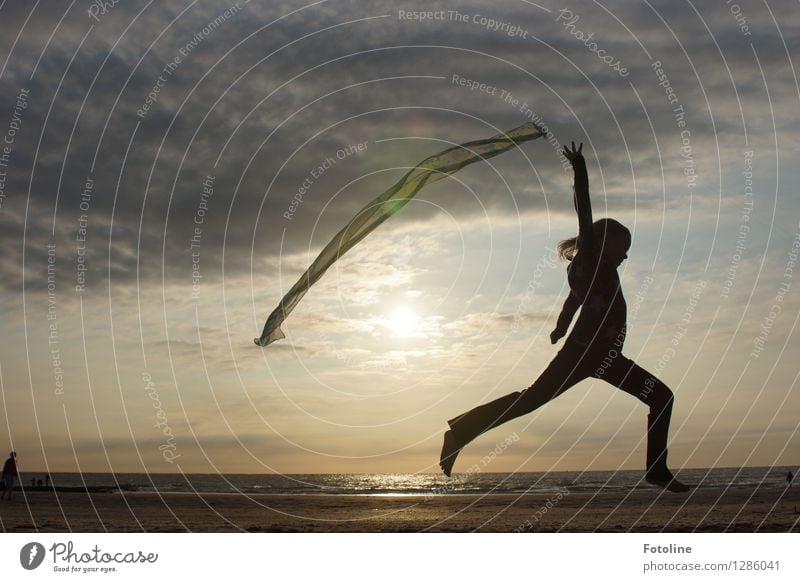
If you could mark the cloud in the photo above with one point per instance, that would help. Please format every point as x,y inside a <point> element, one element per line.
<point>141,218</point>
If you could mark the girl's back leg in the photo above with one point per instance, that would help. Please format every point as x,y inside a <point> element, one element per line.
<point>626,375</point>
<point>563,372</point>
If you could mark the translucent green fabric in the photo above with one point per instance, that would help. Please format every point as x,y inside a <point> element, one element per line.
<point>430,170</point>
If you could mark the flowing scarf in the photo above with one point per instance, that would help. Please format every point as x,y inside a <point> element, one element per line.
<point>430,170</point>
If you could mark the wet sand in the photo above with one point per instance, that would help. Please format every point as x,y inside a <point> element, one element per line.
<point>642,510</point>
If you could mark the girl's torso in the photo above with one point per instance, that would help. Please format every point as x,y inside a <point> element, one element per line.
<point>603,313</point>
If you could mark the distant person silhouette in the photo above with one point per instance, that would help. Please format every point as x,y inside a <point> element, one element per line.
<point>593,349</point>
<point>47,480</point>
<point>9,475</point>
<point>789,478</point>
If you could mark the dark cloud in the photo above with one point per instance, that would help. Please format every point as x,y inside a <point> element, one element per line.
<point>270,120</point>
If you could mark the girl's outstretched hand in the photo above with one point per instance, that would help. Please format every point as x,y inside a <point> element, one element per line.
<point>573,154</point>
<point>556,335</point>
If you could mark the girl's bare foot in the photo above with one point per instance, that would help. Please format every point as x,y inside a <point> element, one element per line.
<point>667,481</point>
<point>450,450</point>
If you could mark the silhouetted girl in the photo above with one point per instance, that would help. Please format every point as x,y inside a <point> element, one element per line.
<point>593,349</point>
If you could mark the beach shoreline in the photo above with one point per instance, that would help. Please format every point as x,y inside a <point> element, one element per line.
<point>638,510</point>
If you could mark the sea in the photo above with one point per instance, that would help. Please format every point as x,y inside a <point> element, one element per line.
<point>750,478</point>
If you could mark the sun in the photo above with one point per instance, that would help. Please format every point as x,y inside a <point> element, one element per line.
<point>403,322</point>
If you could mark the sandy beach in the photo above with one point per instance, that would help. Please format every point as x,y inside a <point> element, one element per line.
<point>709,510</point>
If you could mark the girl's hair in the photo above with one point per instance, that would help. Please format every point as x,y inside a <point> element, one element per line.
<point>605,227</point>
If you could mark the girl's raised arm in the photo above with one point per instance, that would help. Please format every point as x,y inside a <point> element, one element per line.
<point>583,205</point>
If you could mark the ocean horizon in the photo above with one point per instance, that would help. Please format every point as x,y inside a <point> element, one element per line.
<point>424,484</point>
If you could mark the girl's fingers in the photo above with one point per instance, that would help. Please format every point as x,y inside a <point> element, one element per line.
<point>574,151</point>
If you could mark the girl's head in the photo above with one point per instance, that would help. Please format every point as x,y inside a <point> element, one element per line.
<point>612,237</point>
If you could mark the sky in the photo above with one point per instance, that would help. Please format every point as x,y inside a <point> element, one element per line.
<point>169,169</point>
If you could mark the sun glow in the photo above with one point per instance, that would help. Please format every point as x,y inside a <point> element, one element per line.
<point>403,322</point>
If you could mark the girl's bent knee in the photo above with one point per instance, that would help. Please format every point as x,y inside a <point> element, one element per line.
<point>662,397</point>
